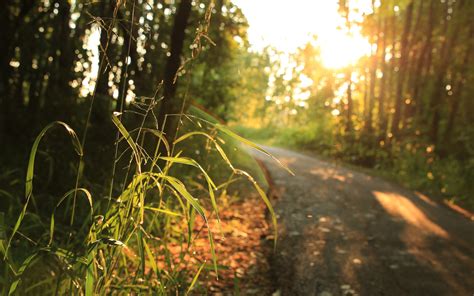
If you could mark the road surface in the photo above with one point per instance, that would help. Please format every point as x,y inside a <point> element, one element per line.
<point>343,232</point>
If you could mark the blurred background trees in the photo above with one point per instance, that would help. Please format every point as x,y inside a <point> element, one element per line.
<point>405,107</point>
<point>51,51</point>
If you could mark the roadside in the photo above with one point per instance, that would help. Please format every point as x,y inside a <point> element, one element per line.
<point>389,177</point>
<point>241,249</point>
<point>343,232</point>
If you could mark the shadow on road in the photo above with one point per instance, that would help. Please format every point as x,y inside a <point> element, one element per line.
<point>345,233</point>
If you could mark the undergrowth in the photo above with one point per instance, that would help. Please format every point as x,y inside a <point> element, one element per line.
<point>412,162</point>
<point>132,235</point>
<point>90,245</point>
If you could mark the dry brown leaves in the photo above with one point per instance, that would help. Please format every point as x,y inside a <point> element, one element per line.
<point>240,249</point>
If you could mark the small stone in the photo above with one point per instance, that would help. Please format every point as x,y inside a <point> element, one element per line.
<point>393,266</point>
<point>345,287</point>
<point>294,233</point>
<point>277,293</point>
<point>357,261</point>
<point>324,293</point>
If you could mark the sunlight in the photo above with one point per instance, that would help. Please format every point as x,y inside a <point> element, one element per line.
<point>92,43</point>
<point>287,27</point>
<point>343,49</point>
<point>400,206</point>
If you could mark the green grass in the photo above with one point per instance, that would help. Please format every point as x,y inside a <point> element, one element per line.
<point>87,244</point>
<point>409,164</point>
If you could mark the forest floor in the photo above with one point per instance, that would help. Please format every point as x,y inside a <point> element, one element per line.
<point>343,232</point>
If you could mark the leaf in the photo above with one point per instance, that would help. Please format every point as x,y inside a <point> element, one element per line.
<point>160,135</point>
<point>88,197</point>
<point>210,183</point>
<point>31,166</point>
<point>230,133</point>
<point>20,272</point>
<point>265,199</point>
<point>218,147</point>
<point>196,276</point>
<point>90,274</point>
<point>151,258</point>
<point>128,138</point>
<point>164,211</point>
<point>181,189</point>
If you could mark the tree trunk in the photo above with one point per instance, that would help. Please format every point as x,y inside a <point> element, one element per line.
<point>373,77</point>
<point>171,104</point>
<point>439,87</point>
<point>401,71</point>
<point>458,88</point>
<point>412,69</point>
<point>382,119</point>
<point>423,62</point>
<point>349,103</point>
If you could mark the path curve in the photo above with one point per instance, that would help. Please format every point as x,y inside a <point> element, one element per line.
<point>343,232</point>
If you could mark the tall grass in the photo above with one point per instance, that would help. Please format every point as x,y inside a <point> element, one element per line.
<point>121,245</point>
<point>138,238</point>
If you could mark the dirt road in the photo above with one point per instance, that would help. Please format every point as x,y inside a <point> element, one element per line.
<point>346,233</point>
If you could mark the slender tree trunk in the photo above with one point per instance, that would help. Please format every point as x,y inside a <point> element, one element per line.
<point>58,92</point>
<point>129,57</point>
<point>373,77</point>
<point>365,107</point>
<point>171,104</point>
<point>458,88</point>
<point>439,87</point>
<point>423,62</point>
<point>10,24</point>
<point>382,119</point>
<point>412,69</point>
<point>401,71</point>
<point>349,106</point>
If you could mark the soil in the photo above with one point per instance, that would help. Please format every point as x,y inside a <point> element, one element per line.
<point>342,232</point>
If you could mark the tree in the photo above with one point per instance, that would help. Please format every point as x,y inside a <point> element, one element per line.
<point>171,105</point>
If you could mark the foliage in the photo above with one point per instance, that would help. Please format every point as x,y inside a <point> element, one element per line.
<point>409,95</point>
<point>120,216</point>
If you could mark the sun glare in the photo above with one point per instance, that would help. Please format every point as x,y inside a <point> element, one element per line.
<point>287,26</point>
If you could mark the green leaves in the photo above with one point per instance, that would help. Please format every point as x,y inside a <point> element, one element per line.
<point>128,138</point>
<point>31,167</point>
<point>27,262</point>
<point>144,200</point>
<point>233,135</point>
<point>69,193</point>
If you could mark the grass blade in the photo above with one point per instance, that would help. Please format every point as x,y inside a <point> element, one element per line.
<point>191,286</point>
<point>164,211</point>
<point>31,167</point>
<point>128,138</point>
<point>20,272</point>
<point>230,133</point>
<point>265,199</point>
<point>151,258</point>
<point>90,273</point>
<point>210,183</point>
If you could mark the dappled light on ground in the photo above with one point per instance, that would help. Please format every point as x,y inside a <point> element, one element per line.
<point>346,233</point>
<point>426,199</point>
<point>400,206</point>
<point>331,174</point>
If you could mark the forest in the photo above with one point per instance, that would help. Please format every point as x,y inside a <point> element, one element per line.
<point>404,108</point>
<point>126,128</point>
